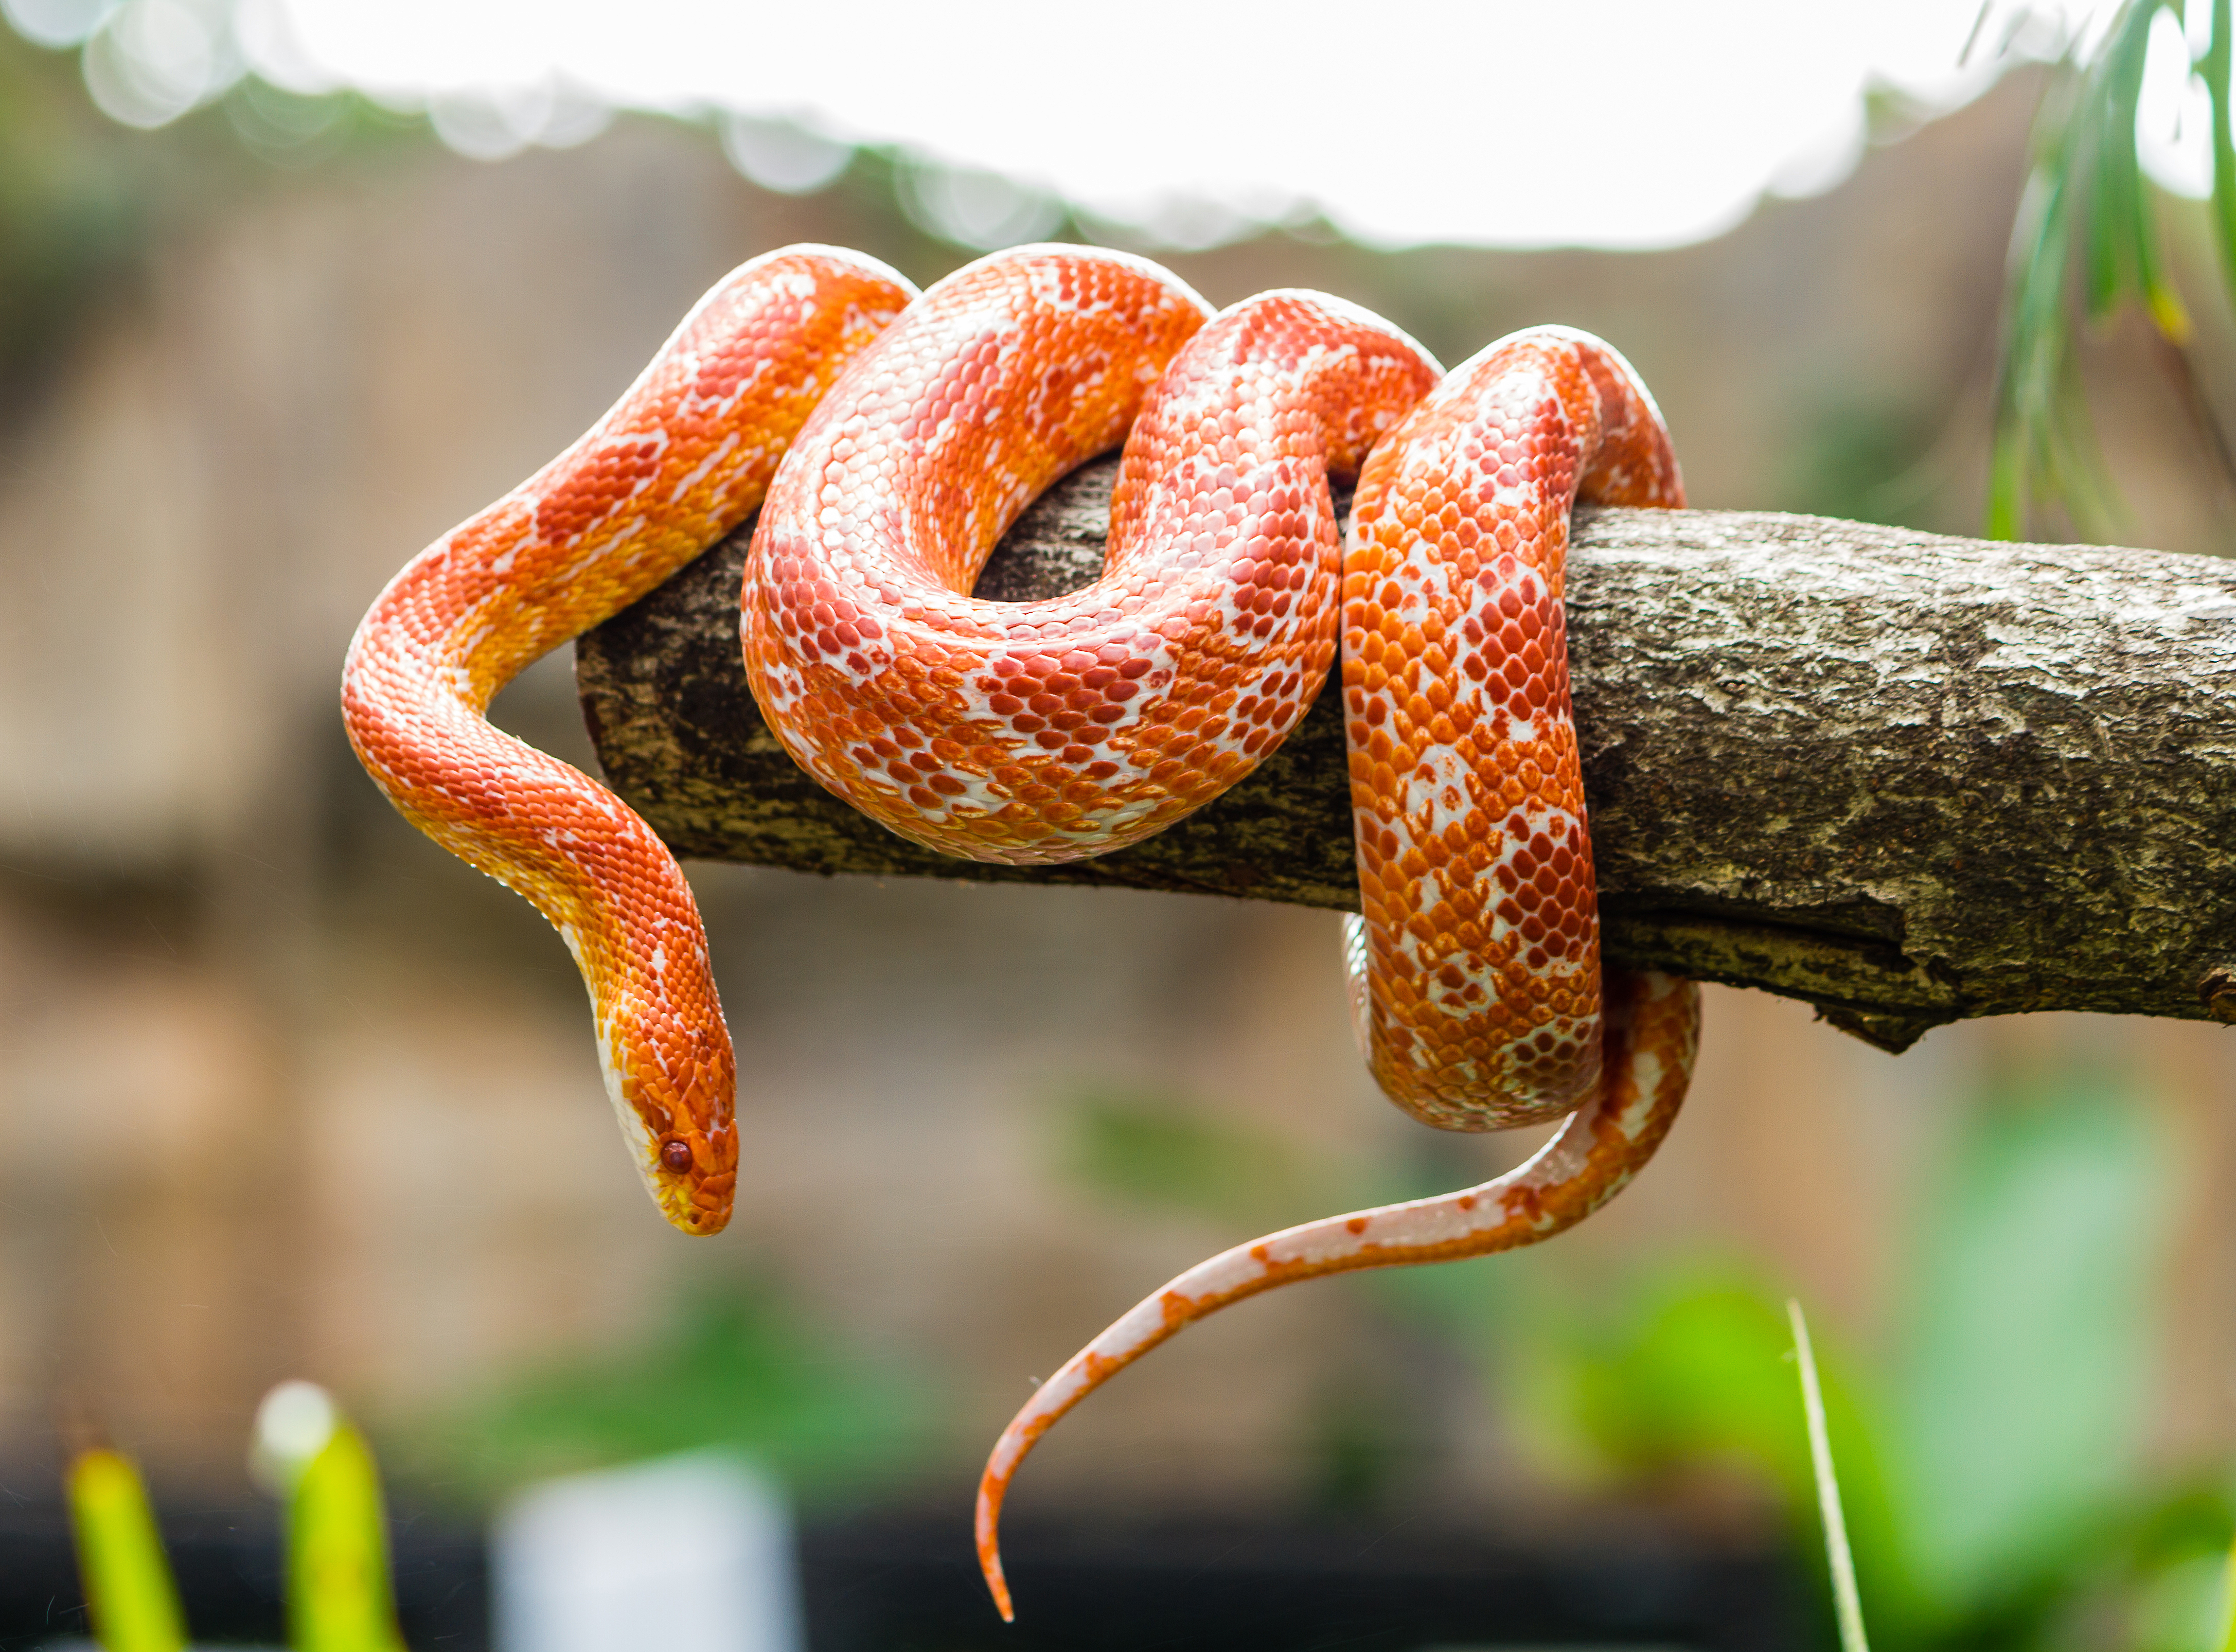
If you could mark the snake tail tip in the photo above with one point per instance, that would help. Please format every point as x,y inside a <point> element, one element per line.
<point>998,1587</point>
<point>990,1491</point>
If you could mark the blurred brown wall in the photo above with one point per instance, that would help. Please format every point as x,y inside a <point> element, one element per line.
<point>289,1092</point>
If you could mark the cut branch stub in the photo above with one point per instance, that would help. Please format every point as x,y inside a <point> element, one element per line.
<point>1908,778</point>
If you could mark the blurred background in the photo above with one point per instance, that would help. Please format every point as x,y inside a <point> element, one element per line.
<point>285,1091</point>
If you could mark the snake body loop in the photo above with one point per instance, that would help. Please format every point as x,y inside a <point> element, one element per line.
<point>1475,972</point>
<point>1476,957</point>
<point>1038,731</point>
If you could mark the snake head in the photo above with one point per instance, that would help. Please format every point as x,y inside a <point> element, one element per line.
<point>674,1100</point>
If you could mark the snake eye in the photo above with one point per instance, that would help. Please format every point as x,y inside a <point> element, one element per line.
<point>675,1156</point>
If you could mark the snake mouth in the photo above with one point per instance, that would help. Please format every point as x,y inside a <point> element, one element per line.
<point>699,1205</point>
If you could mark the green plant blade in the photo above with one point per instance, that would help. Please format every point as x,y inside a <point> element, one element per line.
<point>2214,71</point>
<point>2228,1603</point>
<point>2087,217</point>
<point>339,1596</point>
<point>1846,1600</point>
<point>2123,208</point>
<point>128,1590</point>
<point>2109,254</point>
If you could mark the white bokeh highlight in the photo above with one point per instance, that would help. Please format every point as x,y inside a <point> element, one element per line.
<point>1619,123</point>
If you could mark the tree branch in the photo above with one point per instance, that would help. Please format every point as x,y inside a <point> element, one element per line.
<point>1908,778</point>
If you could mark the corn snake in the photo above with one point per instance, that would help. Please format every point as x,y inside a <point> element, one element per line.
<point>887,440</point>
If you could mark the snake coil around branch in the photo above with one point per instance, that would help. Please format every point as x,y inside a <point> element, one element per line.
<point>1907,778</point>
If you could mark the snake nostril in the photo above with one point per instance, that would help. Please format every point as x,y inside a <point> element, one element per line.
<point>675,1156</point>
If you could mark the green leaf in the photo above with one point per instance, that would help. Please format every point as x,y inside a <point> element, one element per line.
<point>129,1591</point>
<point>338,1595</point>
<point>2088,212</point>
<point>2035,345</point>
<point>2214,69</point>
<point>1839,1562</point>
<point>2125,206</point>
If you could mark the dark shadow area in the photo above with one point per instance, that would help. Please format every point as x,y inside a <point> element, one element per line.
<point>905,1581</point>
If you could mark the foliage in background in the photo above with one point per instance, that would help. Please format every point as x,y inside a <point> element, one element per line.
<point>1840,1559</point>
<point>1155,1153</point>
<point>130,1595</point>
<point>339,1598</point>
<point>1996,1490</point>
<point>70,211</point>
<point>734,1368</point>
<point>84,202</point>
<point>2088,239</point>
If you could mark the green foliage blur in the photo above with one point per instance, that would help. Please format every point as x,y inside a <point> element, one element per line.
<point>2089,238</point>
<point>734,1368</point>
<point>84,201</point>
<point>339,1594</point>
<point>1990,1451</point>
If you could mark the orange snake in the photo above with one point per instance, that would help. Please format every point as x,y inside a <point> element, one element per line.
<point>888,440</point>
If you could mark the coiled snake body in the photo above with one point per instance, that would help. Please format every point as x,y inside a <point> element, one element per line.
<point>888,440</point>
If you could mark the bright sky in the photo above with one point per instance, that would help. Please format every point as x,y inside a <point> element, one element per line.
<point>1505,122</point>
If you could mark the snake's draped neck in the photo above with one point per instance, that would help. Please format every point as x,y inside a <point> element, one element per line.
<point>1030,732</point>
<point>1475,961</point>
<point>683,457</point>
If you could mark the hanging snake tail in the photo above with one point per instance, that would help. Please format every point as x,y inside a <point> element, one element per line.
<point>680,461</point>
<point>1653,1024</point>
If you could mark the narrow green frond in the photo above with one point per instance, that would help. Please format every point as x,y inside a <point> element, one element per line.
<point>2035,344</point>
<point>1847,1601</point>
<point>129,1591</point>
<point>2125,206</point>
<point>2108,140</point>
<point>338,1595</point>
<point>2214,69</point>
<point>2085,241</point>
<point>2006,487</point>
<point>2227,1636</point>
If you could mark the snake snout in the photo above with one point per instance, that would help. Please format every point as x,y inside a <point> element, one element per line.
<point>699,1204</point>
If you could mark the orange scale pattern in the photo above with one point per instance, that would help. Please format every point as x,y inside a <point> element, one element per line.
<point>1475,957</point>
<point>1029,733</point>
<point>682,458</point>
<point>1474,964</point>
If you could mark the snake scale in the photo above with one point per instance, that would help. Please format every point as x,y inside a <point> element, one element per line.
<point>888,438</point>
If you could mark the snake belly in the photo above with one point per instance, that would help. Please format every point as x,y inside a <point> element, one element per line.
<point>683,457</point>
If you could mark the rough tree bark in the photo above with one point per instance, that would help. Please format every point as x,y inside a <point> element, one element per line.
<point>1907,778</point>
